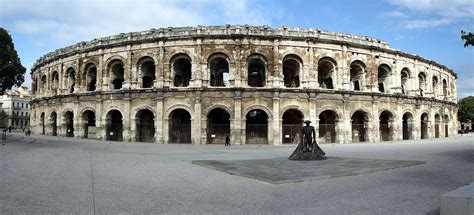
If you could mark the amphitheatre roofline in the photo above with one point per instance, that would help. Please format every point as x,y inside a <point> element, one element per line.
<point>200,31</point>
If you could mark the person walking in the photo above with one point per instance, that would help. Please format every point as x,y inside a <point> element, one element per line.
<point>227,141</point>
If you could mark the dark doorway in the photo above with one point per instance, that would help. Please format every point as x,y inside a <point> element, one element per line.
<point>218,126</point>
<point>42,121</point>
<point>69,117</point>
<point>326,69</point>
<point>256,71</point>
<point>91,77</point>
<point>89,124</point>
<point>145,125</point>
<point>117,74</point>
<point>147,69</point>
<point>407,126</point>
<point>385,126</point>
<point>180,126</point>
<point>114,125</point>
<point>437,122</point>
<point>358,126</point>
<point>292,126</point>
<point>54,123</point>
<point>219,70</point>
<point>182,72</point>
<point>291,71</point>
<point>424,126</point>
<point>327,126</point>
<point>256,127</point>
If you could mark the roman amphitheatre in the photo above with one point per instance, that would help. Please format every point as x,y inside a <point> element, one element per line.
<point>255,84</point>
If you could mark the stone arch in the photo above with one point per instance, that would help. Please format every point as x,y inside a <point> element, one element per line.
<point>386,119</point>
<point>384,73</point>
<point>144,124</point>
<point>179,106</point>
<point>68,120</point>
<point>180,126</point>
<point>408,119</point>
<point>330,108</point>
<point>292,70</point>
<point>88,122</point>
<point>288,107</point>
<point>257,126</point>
<point>218,65</point>
<point>143,107</point>
<point>292,124</point>
<point>141,55</point>
<point>168,58</point>
<point>257,70</point>
<point>217,125</point>
<point>87,109</point>
<point>229,110</point>
<point>71,77</point>
<point>358,74</point>
<point>422,82</point>
<point>208,54</point>
<point>53,118</point>
<point>114,124</point>
<point>261,107</point>
<point>257,51</point>
<point>359,124</point>
<point>297,53</point>
<point>366,112</point>
<point>181,69</point>
<point>405,76</point>
<point>116,72</point>
<point>327,69</point>
<point>146,69</point>
<point>328,125</point>
<point>114,57</point>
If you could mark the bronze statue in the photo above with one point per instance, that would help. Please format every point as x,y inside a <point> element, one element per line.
<point>308,149</point>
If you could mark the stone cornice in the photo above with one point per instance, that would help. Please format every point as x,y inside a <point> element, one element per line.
<point>228,31</point>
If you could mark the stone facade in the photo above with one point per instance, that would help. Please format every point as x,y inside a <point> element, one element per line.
<point>257,84</point>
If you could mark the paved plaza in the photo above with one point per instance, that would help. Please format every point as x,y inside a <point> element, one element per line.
<point>55,175</point>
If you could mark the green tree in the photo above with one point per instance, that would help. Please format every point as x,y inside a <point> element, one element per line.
<point>466,109</point>
<point>11,71</point>
<point>468,37</point>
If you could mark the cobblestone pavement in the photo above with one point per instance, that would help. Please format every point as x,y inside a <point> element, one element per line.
<point>53,175</point>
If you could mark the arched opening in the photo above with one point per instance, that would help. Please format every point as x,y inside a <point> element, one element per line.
<point>146,66</point>
<point>256,127</point>
<point>291,71</point>
<point>180,126</point>
<point>424,126</point>
<point>181,67</point>
<point>446,126</point>
<point>326,70</point>
<point>89,124</point>
<point>437,122</point>
<point>219,70</point>
<point>55,82</point>
<point>114,125</point>
<point>218,126</point>
<point>422,82</point>
<point>69,118</point>
<point>42,122</point>
<point>445,88</point>
<point>44,84</point>
<point>145,125</point>
<point>385,126</point>
<point>292,125</point>
<point>71,79</point>
<point>54,123</point>
<point>116,74</point>
<point>383,75</point>
<point>405,75</point>
<point>91,77</point>
<point>407,124</point>
<point>435,85</point>
<point>357,75</point>
<point>256,70</point>
<point>327,126</point>
<point>359,131</point>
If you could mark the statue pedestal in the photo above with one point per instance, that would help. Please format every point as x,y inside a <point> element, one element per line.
<point>303,153</point>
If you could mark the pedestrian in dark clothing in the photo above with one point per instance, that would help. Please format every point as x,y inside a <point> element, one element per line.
<point>10,129</point>
<point>227,141</point>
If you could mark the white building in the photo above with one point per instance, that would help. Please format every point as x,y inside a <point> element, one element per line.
<point>16,105</point>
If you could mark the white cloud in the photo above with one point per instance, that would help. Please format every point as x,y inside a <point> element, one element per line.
<point>443,8</point>
<point>428,23</point>
<point>67,22</point>
<point>394,14</point>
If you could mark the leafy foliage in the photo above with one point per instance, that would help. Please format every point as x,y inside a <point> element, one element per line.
<point>466,109</point>
<point>468,37</point>
<point>11,70</point>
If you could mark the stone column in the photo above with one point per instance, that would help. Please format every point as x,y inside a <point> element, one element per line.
<point>236,133</point>
<point>196,124</point>
<point>277,130</point>
<point>126,119</point>
<point>100,120</point>
<point>159,119</point>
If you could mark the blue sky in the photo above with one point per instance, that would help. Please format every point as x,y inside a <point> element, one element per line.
<point>429,28</point>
